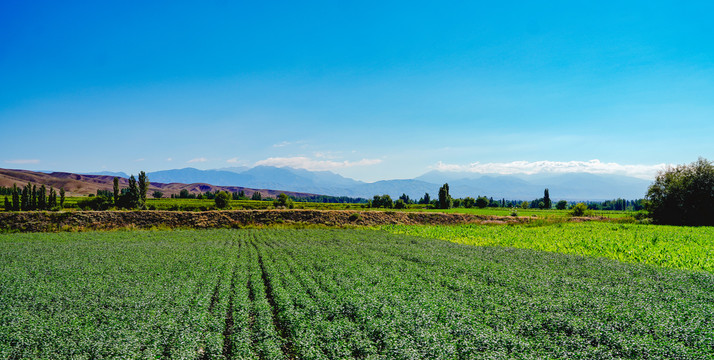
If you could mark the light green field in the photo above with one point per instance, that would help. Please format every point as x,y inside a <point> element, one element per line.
<point>669,246</point>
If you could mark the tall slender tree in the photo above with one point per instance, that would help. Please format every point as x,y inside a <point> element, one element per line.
<point>143,187</point>
<point>61,204</point>
<point>8,206</point>
<point>116,190</point>
<point>546,199</point>
<point>445,201</point>
<point>52,201</point>
<point>25,200</point>
<point>33,197</point>
<point>42,198</point>
<point>15,198</point>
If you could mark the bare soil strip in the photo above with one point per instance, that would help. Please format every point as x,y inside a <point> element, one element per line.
<point>39,221</point>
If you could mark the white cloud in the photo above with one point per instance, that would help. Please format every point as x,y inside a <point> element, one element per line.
<point>201,159</point>
<point>138,160</point>
<point>23,161</point>
<point>233,160</point>
<point>282,144</point>
<point>301,162</point>
<point>169,159</point>
<point>535,167</point>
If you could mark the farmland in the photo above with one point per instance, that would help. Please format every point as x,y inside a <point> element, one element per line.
<point>677,247</point>
<point>326,294</point>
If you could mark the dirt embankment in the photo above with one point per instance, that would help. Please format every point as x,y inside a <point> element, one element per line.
<point>90,220</point>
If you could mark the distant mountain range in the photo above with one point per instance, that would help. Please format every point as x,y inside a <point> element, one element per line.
<point>569,186</point>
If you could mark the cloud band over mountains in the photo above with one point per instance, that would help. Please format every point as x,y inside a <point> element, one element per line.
<point>594,166</point>
<point>301,162</point>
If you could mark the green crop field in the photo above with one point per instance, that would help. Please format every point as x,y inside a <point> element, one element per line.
<point>670,246</point>
<point>335,294</point>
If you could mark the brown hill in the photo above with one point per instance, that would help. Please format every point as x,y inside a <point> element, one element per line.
<point>82,185</point>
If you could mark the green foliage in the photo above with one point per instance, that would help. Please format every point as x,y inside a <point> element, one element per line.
<point>384,201</point>
<point>400,204</point>
<point>157,194</point>
<point>561,205</point>
<point>222,199</point>
<point>325,294</point>
<point>547,203</point>
<point>115,189</point>
<point>445,201</point>
<point>482,202</point>
<point>283,201</point>
<point>257,196</point>
<point>143,187</point>
<point>579,209</point>
<point>683,195</point>
<point>525,205</point>
<point>95,203</point>
<point>7,205</point>
<point>61,204</point>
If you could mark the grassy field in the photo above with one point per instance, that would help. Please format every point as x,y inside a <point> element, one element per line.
<point>669,246</point>
<point>333,294</point>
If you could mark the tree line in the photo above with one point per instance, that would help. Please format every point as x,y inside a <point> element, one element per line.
<point>446,201</point>
<point>30,197</point>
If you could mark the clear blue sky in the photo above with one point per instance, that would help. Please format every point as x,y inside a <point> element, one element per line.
<point>370,90</point>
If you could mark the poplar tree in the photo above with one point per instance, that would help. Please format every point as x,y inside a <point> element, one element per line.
<point>546,199</point>
<point>42,198</point>
<point>52,198</point>
<point>61,197</point>
<point>445,201</point>
<point>25,200</point>
<point>143,186</point>
<point>116,190</point>
<point>33,197</point>
<point>8,207</point>
<point>15,198</point>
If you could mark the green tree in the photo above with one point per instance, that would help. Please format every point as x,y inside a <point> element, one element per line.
<point>183,194</point>
<point>426,199</point>
<point>525,205</point>
<point>547,204</point>
<point>42,198</point>
<point>445,201</point>
<point>283,201</point>
<point>15,198</point>
<point>52,199</point>
<point>222,199</point>
<point>157,194</point>
<point>469,202</point>
<point>579,209</point>
<point>561,205</point>
<point>683,195</point>
<point>61,204</point>
<point>8,206</point>
<point>143,187</point>
<point>25,199</point>
<point>131,199</point>
<point>257,196</point>
<point>116,190</point>
<point>482,202</point>
<point>400,204</point>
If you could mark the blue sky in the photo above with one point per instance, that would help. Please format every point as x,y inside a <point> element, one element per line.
<point>370,90</point>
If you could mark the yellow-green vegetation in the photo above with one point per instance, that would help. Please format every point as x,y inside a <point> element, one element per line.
<point>669,246</point>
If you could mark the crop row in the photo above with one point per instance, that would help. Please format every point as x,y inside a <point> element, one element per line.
<point>327,294</point>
